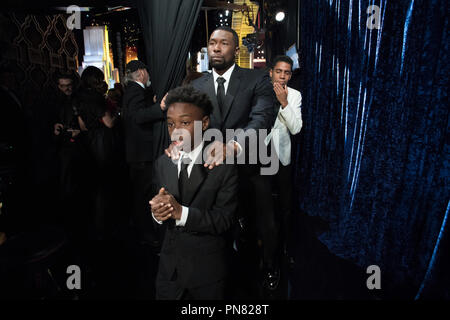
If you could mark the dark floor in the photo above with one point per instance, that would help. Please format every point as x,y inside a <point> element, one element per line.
<point>33,264</point>
<point>123,269</point>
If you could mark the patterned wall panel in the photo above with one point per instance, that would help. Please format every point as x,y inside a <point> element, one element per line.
<point>36,46</point>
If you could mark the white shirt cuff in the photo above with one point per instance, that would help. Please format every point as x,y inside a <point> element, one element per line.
<point>283,112</point>
<point>183,219</point>
<point>157,221</point>
<point>239,147</point>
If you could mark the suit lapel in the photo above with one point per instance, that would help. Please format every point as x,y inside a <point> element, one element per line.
<point>196,178</point>
<point>209,89</point>
<point>172,178</point>
<point>232,91</point>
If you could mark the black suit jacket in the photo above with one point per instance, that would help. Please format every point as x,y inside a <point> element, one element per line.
<point>197,250</point>
<point>139,114</point>
<point>248,102</point>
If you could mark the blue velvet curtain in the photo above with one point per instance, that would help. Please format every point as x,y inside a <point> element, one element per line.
<point>373,156</point>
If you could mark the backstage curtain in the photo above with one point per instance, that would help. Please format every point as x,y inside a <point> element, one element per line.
<point>167,29</point>
<point>373,157</point>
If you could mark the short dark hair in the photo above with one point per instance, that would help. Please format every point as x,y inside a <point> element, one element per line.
<point>189,94</point>
<point>282,59</point>
<point>92,77</point>
<point>63,75</point>
<point>228,29</point>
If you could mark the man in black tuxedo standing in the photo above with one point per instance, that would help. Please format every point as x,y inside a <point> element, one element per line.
<point>242,99</point>
<point>139,114</point>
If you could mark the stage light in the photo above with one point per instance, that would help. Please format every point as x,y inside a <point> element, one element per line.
<point>279,16</point>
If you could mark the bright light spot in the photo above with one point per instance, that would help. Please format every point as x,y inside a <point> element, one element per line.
<point>280,16</point>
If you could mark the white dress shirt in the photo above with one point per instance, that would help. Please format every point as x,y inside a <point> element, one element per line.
<point>226,76</point>
<point>193,155</point>
<point>289,121</point>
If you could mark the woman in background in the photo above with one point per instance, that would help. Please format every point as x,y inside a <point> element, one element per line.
<point>105,172</point>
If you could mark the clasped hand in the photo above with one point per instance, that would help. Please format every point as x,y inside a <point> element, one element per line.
<point>164,206</point>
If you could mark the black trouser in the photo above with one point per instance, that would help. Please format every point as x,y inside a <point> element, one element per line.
<point>171,290</point>
<point>271,216</point>
<point>141,185</point>
<point>75,179</point>
<point>264,218</point>
<point>283,183</point>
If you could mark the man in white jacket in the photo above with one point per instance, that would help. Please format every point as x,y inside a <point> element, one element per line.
<point>289,118</point>
<point>287,124</point>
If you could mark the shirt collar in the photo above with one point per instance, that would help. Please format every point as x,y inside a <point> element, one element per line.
<point>140,83</point>
<point>193,155</point>
<point>226,75</point>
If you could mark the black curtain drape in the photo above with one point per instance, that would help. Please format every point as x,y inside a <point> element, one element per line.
<point>167,29</point>
<point>373,155</point>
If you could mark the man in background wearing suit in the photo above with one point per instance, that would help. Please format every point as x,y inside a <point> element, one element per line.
<point>196,204</point>
<point>242,99</point>
<point>139,114</point>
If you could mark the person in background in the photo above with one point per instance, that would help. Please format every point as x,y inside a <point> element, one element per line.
<point>191,72</point>
<point>104,174</point>
<point>287,124</point>
<point>70,152</point>
<point>139,113</point>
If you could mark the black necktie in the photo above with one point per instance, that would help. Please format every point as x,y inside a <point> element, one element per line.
<point>221,93</point>
<point>183,180</point>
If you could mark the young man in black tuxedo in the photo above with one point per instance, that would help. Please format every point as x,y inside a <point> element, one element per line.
<point>196,204</point>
